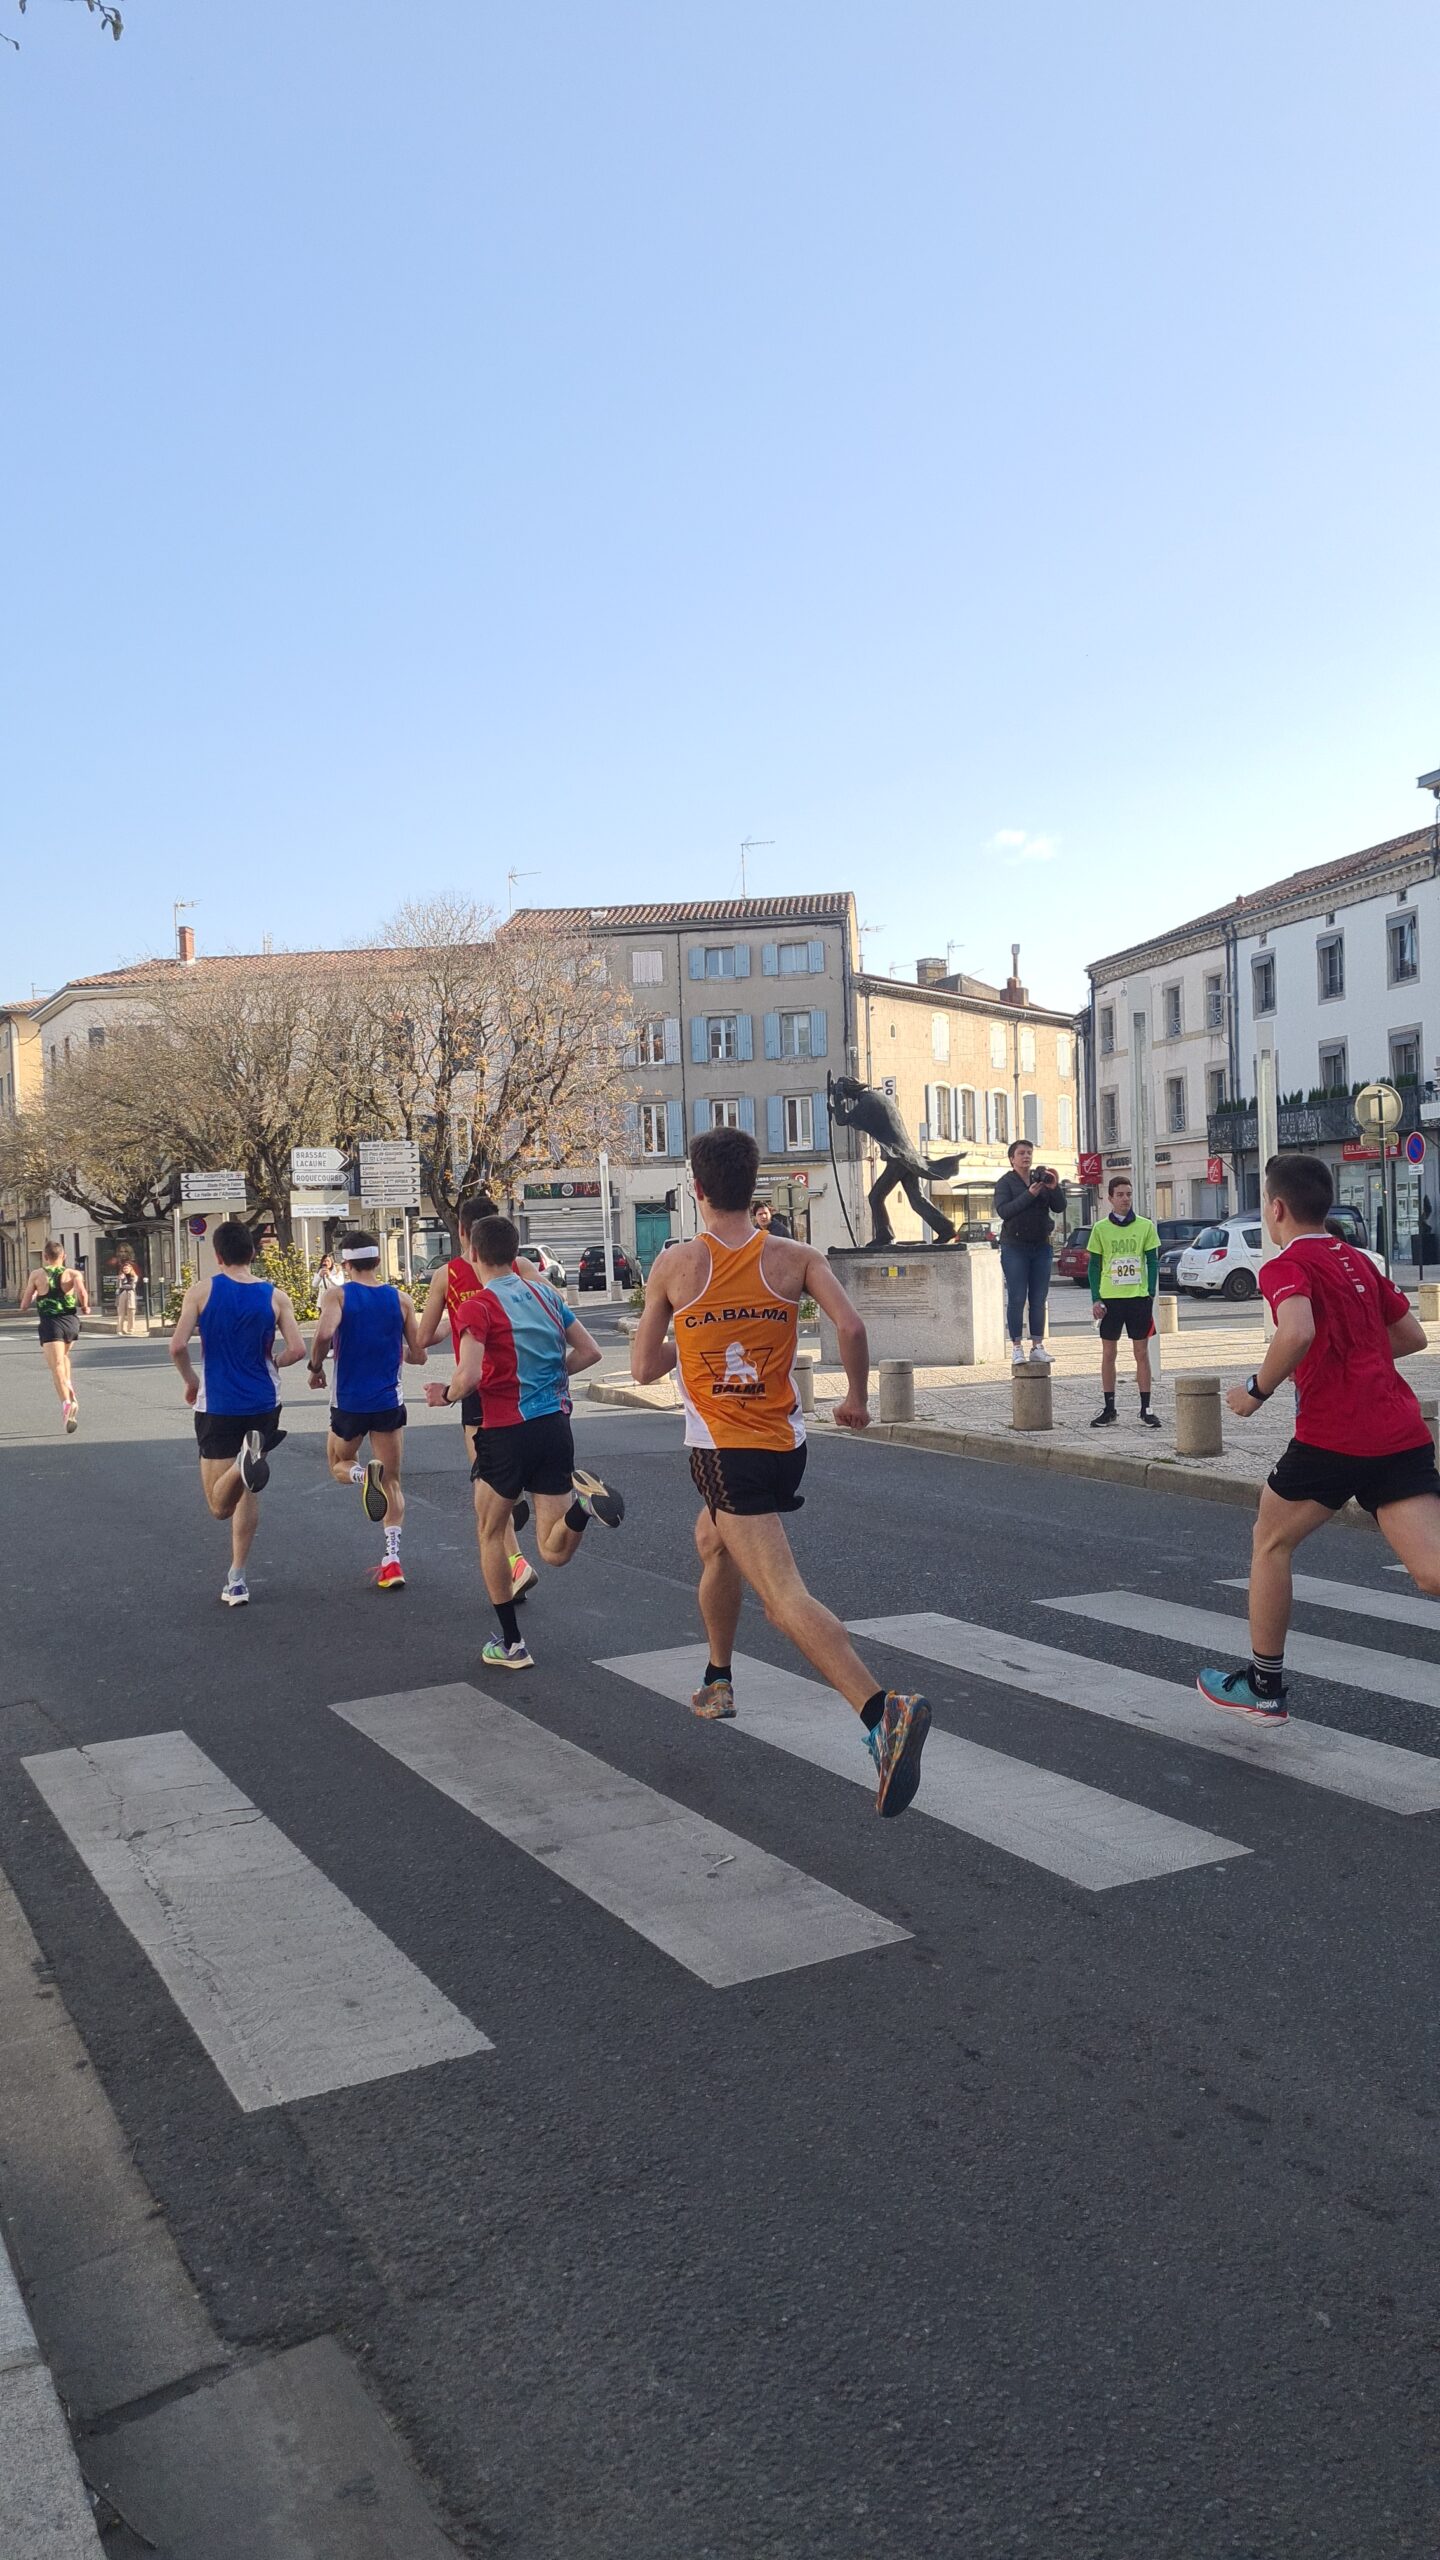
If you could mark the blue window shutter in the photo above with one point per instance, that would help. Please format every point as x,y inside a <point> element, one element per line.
<point>699,1040</point>
<point>745,1035</point>
<point>772,1035</point>
<point>697,962</point>
<point>747,1112</point>
<point>770,959</point>
<point>817,959</point>
<point>821,1118</point>
<point>774,1125</point>
<point>675,1127</point>
<point>699,1114</point>
<point>672,1041</point>
<point>742,959</point>
<point>818,1034</point>
<point>630,1115</point>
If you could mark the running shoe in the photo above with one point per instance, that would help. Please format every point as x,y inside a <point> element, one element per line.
<point>1039,1352</point>
<point>1234,1689</point>
<point>391,1576</point>
<point>1101,1421</point>
<point>372,1491</point>
<point>71,1412</point>
<point>1151,1421</point>
<point>714,1699</point>
<point>253,1465</point>
<point>1017,1355</point>
<point>523,1576</point>
<point>507,1657</point>
<point>598,1498</point>
<point>236,1591</point>
<point>895,1748</point>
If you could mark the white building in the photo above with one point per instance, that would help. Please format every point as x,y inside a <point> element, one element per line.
<point>1158,1063</point>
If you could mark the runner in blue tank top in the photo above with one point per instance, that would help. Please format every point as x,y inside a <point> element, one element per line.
<point>237,1402</point>
<point>374,1329</point>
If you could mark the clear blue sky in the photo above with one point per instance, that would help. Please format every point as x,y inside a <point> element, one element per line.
<point>990,450</point>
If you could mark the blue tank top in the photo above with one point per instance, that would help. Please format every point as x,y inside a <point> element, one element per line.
<point>237,1332</point>
<point>369,1349</point>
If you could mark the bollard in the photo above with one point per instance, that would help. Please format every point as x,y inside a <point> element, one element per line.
<point>805,1384</point>
<point>1197,1418</point>
<point>1428,1309</point>
<point>1430,1411</point>
<point>1167,1311</point>
<point>1030,1402</point>
<point>897,1390</point>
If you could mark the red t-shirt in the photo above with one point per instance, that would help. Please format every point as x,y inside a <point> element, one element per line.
<point>1349,1395</point>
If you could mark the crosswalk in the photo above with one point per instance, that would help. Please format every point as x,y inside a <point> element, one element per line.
<point>292,1990</point>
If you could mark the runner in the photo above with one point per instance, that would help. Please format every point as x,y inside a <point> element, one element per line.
<point>734,1296</point>
<point>520,1345</point>
<point>237,1405</point>
<point>60,1298</point>
<point>374,1330</point>
<point>1340,1327</point>
<point>451,1285</point>
<point>1124,1276</point>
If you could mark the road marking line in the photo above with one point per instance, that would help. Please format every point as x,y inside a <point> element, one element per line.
<point>1211,1632</point>
<point>724,1909</point>
<point>1396,1608</point>
<point>1090,1838</point>
<point>289,1988</point>
<point>1346,1764</point>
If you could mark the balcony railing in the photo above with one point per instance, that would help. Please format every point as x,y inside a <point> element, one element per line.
<point>1312,1124</point>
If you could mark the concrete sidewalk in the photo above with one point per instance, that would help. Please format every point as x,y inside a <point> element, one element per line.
<point>45,2510</point>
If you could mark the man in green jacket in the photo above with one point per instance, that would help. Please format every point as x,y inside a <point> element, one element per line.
<point>1124,1276</point>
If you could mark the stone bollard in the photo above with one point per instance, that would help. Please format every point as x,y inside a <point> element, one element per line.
<point>805,1384</point>
<point>1197,1418</point>
<point>1430,1409</point>
<point>1030,1400</point>
<point>1167,1311</point>
<point>1428,1309</point>
<point>897,1390</point>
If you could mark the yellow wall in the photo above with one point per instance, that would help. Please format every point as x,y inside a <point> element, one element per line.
<point>897,1038</point>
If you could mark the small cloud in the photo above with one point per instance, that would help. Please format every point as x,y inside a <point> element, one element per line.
<point>1019,846</point>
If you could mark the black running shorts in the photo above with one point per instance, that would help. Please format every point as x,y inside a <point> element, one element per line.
<point>526,1457</point>
<point>60,1328</point>
<point>222,1435</point>
<point>353,1426</point>
<point>1126,1315</point>
<point>1330,1476</point>
<point>748,1482</point>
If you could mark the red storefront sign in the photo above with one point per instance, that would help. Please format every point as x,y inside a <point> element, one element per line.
<point>1090,1169</point>
<point>1355,1151</point>
<point>1214,1170</point>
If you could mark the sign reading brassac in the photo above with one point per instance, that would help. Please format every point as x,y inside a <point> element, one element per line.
<point>317,1169</point>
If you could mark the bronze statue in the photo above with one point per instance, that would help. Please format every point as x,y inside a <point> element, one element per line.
<point>876,1114</point>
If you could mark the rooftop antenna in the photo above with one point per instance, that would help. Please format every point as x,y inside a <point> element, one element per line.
<point>950,949</point>
<point>752,844</point>
<point>511,877</point>
<point>860,932</point>
<point>178,908</point>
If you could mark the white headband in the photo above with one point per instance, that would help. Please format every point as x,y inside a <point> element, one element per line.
<point>359,1253</point>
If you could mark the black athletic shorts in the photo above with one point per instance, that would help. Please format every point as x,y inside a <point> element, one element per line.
<point>222,1435</point>
<point>1330,1476</point>
<point>748,1482</point>
<point>472,1414</point>
<point>1126,1315</point>
<point>60,1328</point>
<point>353,1426</point>
<point>526,1457</point>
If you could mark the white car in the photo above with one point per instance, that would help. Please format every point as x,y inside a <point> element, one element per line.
<point>548,1264</point>
<point>1224,1260</point>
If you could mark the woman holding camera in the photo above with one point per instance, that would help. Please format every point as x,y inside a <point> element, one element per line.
<point>1028,1200</point>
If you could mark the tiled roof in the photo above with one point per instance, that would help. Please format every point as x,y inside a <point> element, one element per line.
<point>1350,870</point>
<point>829,904</point>
<point>30,1004</point>
<point>868,983</point>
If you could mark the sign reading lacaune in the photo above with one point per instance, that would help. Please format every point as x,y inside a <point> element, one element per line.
<point>317,1169</point>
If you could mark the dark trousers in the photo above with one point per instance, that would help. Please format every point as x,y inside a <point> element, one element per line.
<point>1027,1275</point>
<point>909,1183</point>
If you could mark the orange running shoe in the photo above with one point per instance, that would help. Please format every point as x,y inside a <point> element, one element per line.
<point>391,1576</point>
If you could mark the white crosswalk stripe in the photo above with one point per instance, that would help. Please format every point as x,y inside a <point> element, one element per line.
<point>289,1988</point>
<point>1075,1831</point>
<point>1214,1637</point>
<point>1346,1764</point>
<point>1392,1608</point>
<point>721,1907</point>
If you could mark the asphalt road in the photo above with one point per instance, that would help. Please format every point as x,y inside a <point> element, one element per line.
<point>1084,2223</point>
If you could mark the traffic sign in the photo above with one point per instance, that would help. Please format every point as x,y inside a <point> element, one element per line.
<point>1415,1148</point>
<point>212,1186</point>
<point>316,1169</point>
<point>389,1172</point>
<point>1091,1169</point>
<point>1379,1109</point>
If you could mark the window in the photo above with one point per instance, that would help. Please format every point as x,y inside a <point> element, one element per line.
<point>967,1112</point>
<point>939,1035</point>
<point>1062,1053</point>
<point>1335,1067</point>
<point>1032,1119</point>
<point>1215,1003</point>
<point>1402,933</point>
<point>719,961</point>
<point>1263,976</point>
<point>1175,1104</point>
<point>795,959</point>
<point>1107,1031</point>
<point>650,1044</point>
<point>799,1124</point>
<point>1171,1012</point>
<point>647,968</point>
<point>1255,1238</point>
<point>795,1035</point>
<point>97,1039</point>
<point>1064,1127</point>
<point>654,1129</point>
<point>997,1044</point>
<point>1027,1052</point>
<point>67,1052</point>
<point>1330,960</point>
<point>1000,1118</point>
<point>942,1105</point>
<point>723,1038</point>
<point>1214,1088</point>
<point>1404,1057</point>
<point>726,1114</point>
<point>1109,1119</point>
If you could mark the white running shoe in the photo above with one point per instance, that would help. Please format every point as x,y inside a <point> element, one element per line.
<point>236,1591</point>
<point>1039,1352</point>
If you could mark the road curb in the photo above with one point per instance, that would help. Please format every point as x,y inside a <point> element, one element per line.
<point>45,2509</point>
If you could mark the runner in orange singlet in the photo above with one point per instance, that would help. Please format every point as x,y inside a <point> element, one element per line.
<point>733,1299</point>
<point>453,1282</point>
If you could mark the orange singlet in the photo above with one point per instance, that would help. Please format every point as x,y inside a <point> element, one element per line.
<point>736,1345</point>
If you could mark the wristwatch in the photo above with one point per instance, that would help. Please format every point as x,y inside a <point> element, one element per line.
<point>1262,1395</point>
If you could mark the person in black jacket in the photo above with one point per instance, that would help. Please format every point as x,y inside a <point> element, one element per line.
<point>1028,1199</point>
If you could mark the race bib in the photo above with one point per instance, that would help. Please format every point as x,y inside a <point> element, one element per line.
<point>1125,1269</point>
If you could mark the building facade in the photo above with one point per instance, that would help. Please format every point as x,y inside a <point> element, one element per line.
<point>23,1220</point>
<point>1158,1064</point>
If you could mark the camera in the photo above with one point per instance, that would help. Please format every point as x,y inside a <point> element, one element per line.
<point>1045,1173</point>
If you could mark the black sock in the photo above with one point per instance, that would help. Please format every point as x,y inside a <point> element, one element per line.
<point>1109,1395</point>
<point>1144,1399</point>
<point>1267,1674</point>
<point>509,1623</point>
<point>577,1515</point>
<point>873,1710</point>
<point>716,1671</point>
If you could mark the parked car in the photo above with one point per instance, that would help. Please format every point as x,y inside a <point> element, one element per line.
<point>1224,1260</point>
<point>1174,1234</point>
<point>591,1274</point>
<point>548,1264</point>
<point>1072,1262</point>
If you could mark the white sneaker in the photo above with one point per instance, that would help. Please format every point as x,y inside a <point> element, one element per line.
<point>1017,1355</point>
<point>236,1592</point>
<point>1039,1352</point>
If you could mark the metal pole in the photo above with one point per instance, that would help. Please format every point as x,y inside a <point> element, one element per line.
<point>177,1248</point>
<point>606,1227</point>
<point>409,1269</point>
<point>1389,1161</point>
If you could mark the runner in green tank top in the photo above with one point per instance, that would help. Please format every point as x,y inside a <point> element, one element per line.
<point>60,1298</point>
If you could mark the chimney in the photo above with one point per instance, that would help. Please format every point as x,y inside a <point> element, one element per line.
<point>185,939</point>
<point>930,973</point>
<point>1014,993</point>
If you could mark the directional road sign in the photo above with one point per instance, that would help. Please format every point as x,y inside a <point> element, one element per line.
<point>212,1186</point>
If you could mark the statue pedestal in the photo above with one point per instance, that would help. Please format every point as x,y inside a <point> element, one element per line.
<point>939,1305</point>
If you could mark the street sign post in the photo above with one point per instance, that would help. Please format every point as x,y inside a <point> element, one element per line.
<point>317,1169</point>
<point>1379,1110</point>
<point>1415,1154</point>
<point>213,1187</point>
<point>389,1173</point>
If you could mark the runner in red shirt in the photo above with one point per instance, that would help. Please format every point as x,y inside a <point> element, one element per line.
<point>1340,1327</point>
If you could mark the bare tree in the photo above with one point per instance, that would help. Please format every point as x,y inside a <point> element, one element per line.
<point>92,1137</point>
<point>108,15</point>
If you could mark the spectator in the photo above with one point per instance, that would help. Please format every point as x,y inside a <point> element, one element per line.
<point>127,1283</point>
<point>1028,1200</point>
<point>328,1275</point>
